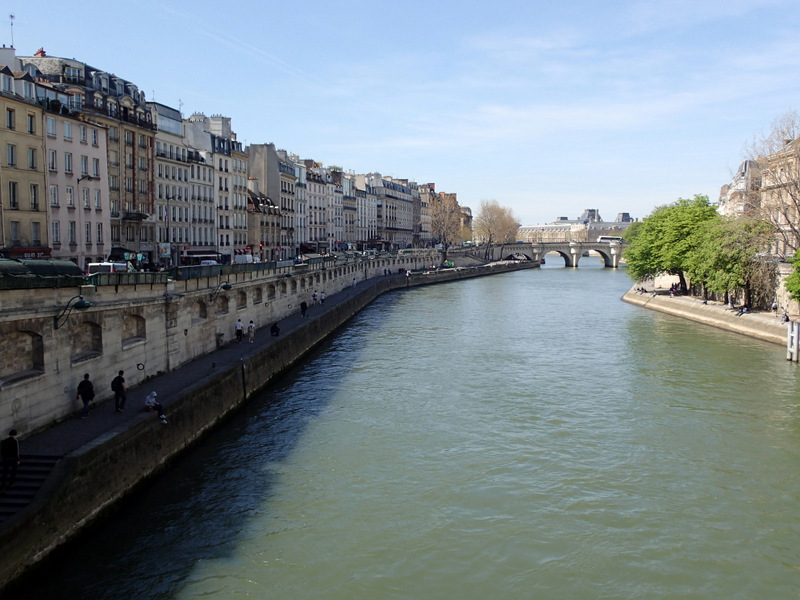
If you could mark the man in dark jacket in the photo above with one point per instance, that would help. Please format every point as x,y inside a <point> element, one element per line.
<point>9,450</point>
<point>118,387</point>
<point>85,393</point>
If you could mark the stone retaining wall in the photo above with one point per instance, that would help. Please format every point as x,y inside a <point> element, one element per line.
<point>93,478</point>
<point>758,325</point>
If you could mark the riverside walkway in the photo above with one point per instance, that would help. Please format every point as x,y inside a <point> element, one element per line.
<point>41,450</point>
<point>765,326</point>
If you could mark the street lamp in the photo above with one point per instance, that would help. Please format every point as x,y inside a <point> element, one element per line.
<point>62,317</point>
<point>224,285</point>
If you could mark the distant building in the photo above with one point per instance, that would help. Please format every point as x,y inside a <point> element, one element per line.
<point>586,228</point>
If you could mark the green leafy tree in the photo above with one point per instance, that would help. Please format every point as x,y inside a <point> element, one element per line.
<point>792,282</point>
<point>663,242</point>
<point>732,255</point>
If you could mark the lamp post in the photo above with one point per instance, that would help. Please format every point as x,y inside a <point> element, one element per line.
<point>223,285</point>
<point>80,304</point>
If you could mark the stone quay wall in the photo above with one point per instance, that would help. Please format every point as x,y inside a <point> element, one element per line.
<point>89,481</point>
<point>145,329</point>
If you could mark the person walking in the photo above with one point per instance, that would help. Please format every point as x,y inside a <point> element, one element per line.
<point>120,395</point>
<point>9,450</point>
<point>85,393</point>
<point>239,330</point>
<point>303,308</point>
<point>251,331</point>
<point>322,298</point>
<point>354,282</point>
<point>275,331</point>
<point>314,298</point>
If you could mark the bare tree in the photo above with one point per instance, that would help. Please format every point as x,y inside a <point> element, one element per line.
<point>445,220</point>
<point>495,223</point>
<point>775,194</point>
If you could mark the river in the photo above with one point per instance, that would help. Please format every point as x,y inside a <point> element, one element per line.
<point>526,435</point>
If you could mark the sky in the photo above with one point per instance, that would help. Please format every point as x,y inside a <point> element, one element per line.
<point>548,108</point>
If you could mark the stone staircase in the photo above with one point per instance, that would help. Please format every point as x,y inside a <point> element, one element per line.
<point>31,473</point>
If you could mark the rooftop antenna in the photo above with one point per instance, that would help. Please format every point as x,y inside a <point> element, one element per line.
<point>11,17</point>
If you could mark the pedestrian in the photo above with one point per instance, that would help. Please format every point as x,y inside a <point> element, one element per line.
<point>354,282</point>
<point>239,330</point>
<point>314,298</point>
<point>775,308</point>
<point>9,450</point>
<point>275,331</point>
<point>151,404</point>
<point>251,331</point>
<point>303,308</point>
<point>85,393</point>
<point>120,395</point>
<point>322,298</point>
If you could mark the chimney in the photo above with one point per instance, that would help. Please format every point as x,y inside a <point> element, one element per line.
<point>40,53</point>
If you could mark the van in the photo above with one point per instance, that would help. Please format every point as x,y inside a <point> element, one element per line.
<point>243,259</point>
<point>206,263</point>
<point>107,267</point>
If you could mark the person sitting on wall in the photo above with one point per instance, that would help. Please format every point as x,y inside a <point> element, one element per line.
<point>151,404</point>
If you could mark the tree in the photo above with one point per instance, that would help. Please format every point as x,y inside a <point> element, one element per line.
<point>792,282</point>
<point>775,193</point>
<point>495,223</point>
<point>445,220</point>
<point>665,239</point>
<point>731,255</point>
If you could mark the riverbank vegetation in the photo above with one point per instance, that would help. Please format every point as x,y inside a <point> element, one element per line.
<point>714,254</point>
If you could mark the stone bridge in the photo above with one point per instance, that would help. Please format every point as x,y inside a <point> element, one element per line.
<point>571,252</point>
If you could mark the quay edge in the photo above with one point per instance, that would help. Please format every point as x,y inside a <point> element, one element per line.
<point>763,326</point>
<point>86,483</point>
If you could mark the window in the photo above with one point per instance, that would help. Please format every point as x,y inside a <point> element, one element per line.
<point>68,162</point>
<point>95,167</point>
<point>84,165</point>
<point>53,195</point>
<point>67,130</point>
<point>36,233</point>
<point>83,134</point>
<point>99,233</point>
<point>15,233</point>
<point>51,127</point>
<point>11,155</point>
<point>85,194</point>
<point>32,158</point>
<point>71,232</point>
<point>98,200</point>
<point>88,233</point>
<point>56,229</point>
<point>32,124</point>
<point>52,160</point>
<point>129,138</point>
<point>70,196</point>
<point>10,118</point>
<point>12,195</point>
<point>113,183</point>
<point>129,184</point>
<point>8,85</point>
<point>94,137</point>
<point>113,134</point>
<point>34,196</point>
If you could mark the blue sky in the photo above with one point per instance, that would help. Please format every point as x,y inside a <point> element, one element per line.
<point>548,108</point>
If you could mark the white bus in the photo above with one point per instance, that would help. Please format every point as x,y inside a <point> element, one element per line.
<point>610,238</point>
